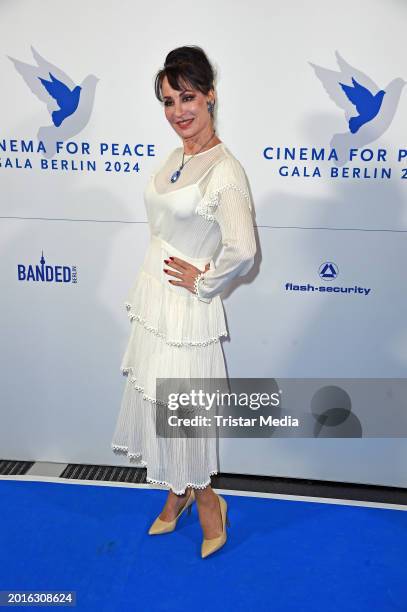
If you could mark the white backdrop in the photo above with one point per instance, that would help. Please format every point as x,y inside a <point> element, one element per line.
<point>62,342</point>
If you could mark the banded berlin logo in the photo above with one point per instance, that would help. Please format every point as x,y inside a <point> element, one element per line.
<point>46,273</point>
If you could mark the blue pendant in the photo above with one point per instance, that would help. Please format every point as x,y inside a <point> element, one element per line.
<point>175,176</point>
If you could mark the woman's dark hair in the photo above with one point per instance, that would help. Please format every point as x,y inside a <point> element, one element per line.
<point>183,66</point>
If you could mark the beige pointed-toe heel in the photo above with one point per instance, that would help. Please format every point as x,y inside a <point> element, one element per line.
<point>210,546</point>
<point>159,526</point>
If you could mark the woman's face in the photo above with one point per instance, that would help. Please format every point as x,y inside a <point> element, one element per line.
<point>186,110</point>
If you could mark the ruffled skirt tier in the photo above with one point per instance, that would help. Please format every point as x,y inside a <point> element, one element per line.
<point>173,336</point>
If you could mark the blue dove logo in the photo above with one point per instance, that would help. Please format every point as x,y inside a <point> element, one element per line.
<point>367,104</point>
<point>352,90</point>
<point>67,99</point>
<point>69,105</point>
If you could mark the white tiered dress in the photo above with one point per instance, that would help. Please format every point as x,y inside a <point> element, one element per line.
<point>174,333</point>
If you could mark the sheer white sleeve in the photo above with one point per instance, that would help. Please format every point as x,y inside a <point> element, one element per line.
<point>230,206</point>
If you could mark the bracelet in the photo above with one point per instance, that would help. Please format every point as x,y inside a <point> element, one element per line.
<point>196,283</point>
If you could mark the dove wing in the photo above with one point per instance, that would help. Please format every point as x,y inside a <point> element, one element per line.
<point>46,68</point>
<point>330,80</point>
<point>349,71</point>
<point>55,88</point>
<point>30,76</point>
<point>358,95</point>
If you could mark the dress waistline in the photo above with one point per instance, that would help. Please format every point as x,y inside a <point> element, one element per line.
<point>154,263</point>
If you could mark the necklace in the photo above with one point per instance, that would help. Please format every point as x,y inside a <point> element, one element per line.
<point>175,175</point>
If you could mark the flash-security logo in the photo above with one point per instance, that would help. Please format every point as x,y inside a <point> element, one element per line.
<point>69,104</point>
<point>369,109</point>
<point>328,270</point>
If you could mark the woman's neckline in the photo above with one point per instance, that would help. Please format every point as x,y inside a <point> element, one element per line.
<point>195,184</point>
<point>202,152</point>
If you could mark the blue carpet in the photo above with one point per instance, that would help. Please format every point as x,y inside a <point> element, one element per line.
<point>280,555</point>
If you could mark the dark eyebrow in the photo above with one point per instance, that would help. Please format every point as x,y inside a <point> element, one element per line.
<point>181,93</point>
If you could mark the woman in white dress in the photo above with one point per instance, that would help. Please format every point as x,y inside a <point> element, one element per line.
<point>197,201</point>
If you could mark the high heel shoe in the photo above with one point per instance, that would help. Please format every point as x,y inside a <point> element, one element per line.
<point>210,546</point>
<point>159,526</point>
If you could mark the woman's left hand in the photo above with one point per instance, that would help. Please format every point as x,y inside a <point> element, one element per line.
<point>186,272</point>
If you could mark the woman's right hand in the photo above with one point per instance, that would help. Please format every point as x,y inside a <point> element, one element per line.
<point>186,272</point>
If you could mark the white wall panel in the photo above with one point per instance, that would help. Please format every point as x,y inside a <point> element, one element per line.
<point>62,343</point>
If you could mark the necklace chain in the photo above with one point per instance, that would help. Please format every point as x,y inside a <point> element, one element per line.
<point>175,176</point>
